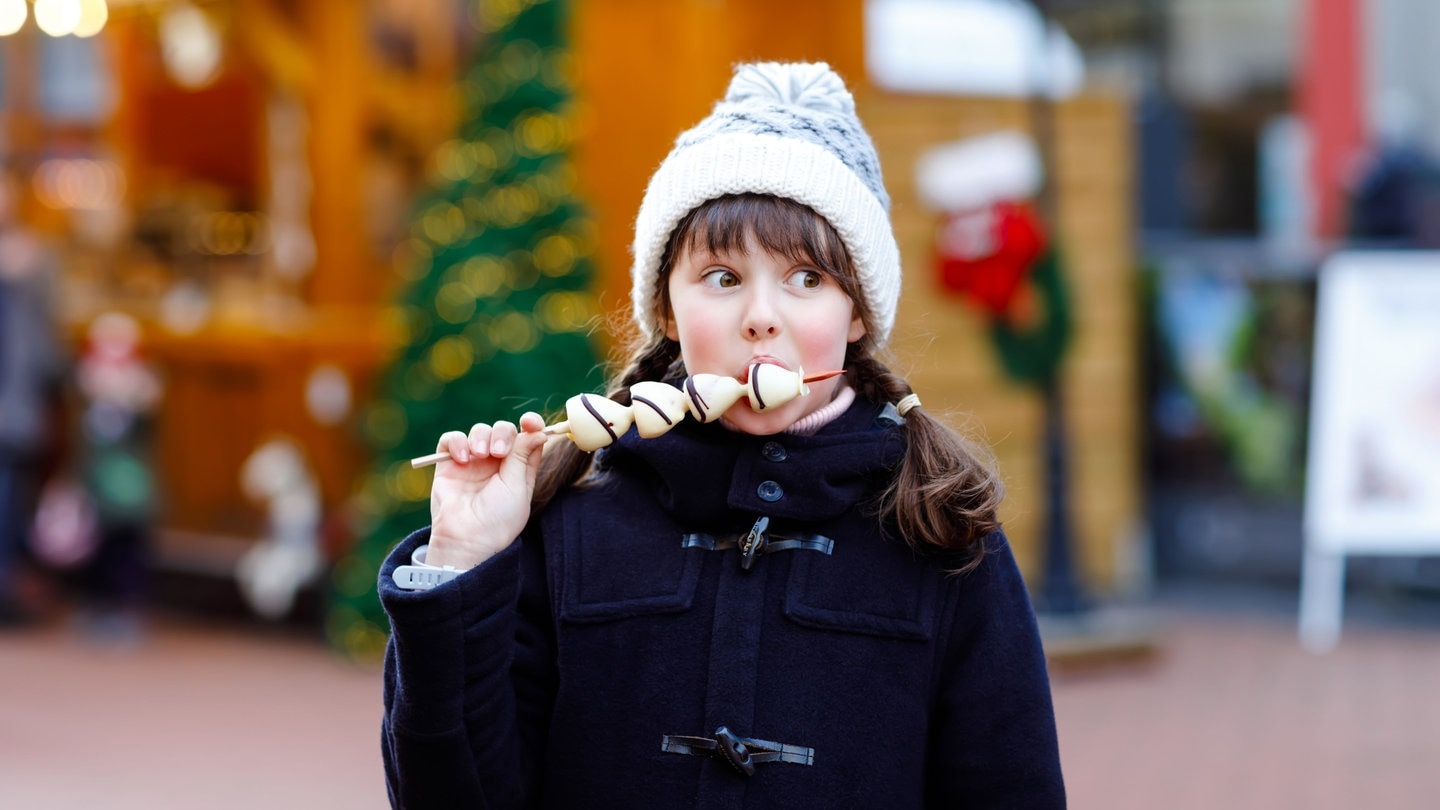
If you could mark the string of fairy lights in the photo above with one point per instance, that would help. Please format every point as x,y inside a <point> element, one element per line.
<point>505,177</point>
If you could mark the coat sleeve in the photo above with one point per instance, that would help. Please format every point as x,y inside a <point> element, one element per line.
<point>993,742</point>
<point>469,682</point>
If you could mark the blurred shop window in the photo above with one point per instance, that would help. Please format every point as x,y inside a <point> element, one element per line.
<point>1163,140</point>
<point>1218,51</point>
<point>75,85</point>
<point>1228,345</point>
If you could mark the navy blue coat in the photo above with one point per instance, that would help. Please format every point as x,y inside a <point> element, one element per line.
<point>561,672</point>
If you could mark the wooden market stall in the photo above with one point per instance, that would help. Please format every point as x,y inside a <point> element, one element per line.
<point>263,185</point>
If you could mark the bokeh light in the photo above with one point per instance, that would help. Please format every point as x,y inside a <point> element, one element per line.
<point>57,17</point>
<point>443,223</point>
<point>79,183</point>
<point>455,303</point>
<point>514,332</point>
<point>190,46</point>
<point>555,255</point>
<point>93,16</point>
<point>564,311</point>
<point>407,483</point>
<point>451,357</point>
<point>12,16</point>
<point>484,275</point>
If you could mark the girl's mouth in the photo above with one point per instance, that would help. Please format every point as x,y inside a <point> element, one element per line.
<point>745,372</point>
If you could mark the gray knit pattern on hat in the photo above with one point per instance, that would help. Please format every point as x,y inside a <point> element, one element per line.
<point>784,129</point>
<point>804,101</point>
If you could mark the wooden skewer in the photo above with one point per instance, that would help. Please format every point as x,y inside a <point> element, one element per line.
<point>426,461</point>
<point>561,428</point>
<point>557,429</point>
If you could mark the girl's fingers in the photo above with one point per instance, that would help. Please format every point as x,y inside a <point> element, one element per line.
<point>479,443</point>
<point>456,444</point>
<point>496,440</point>
<point>502,438</point>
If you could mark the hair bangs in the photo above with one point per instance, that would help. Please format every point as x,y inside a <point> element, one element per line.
<point>779,225</point>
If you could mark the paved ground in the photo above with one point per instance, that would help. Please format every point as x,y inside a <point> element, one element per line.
<point>199,716</point>
<point>1231,713</point>
<point>1227,713</point>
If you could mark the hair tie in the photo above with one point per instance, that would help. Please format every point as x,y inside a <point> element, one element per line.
<point>907,403</point>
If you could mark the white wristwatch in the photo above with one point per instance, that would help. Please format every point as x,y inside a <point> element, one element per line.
<point>421,576</point>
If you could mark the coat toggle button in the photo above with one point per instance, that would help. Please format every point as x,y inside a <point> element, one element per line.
<point>734,751</point>
<point>774,451</point>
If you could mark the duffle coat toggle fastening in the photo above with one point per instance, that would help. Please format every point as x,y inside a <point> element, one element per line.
<point>759,540</point>
<point>742,753</point>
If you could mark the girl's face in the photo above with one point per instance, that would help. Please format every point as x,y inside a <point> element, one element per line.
<point>731,308</point>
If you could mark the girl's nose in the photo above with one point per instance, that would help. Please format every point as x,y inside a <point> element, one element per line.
<point>761,320</point>
<point>757,331</point>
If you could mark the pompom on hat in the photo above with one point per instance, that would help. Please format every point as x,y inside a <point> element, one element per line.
<point>790,130</point>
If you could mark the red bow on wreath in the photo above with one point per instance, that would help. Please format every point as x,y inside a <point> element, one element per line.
<point>986,255</point>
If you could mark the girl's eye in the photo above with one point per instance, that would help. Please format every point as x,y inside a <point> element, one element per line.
<point>721,278</point>
<point>807,278</point>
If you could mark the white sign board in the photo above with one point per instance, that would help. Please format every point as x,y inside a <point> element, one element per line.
<point>1373,480</point>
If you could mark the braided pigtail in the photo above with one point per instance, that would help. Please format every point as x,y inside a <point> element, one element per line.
<point>946,494</point>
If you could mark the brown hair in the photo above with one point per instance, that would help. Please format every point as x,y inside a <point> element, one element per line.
<point>945,494</point>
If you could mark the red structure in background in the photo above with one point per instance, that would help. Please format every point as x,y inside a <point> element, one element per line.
<point>991,272</point>
<point>1329,94</point>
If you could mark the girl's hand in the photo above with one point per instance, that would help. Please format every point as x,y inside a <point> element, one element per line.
<point>480,498</point>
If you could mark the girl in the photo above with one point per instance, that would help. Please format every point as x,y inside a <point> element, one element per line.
<point>809,606</point>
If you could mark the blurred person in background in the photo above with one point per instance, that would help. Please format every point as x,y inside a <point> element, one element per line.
<point>1395,195</point>
<point>118,391</point>
<point>31,369</point>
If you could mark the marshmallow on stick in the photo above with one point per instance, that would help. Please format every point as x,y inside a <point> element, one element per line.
<point>593,421</point>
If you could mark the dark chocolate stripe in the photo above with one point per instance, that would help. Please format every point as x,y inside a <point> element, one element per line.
<point>700,406</point>
<point>653,407</point>
<point>585,400</point>
<point>757,403</point>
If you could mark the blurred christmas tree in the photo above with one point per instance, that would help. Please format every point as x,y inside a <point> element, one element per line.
<point>495,313</point>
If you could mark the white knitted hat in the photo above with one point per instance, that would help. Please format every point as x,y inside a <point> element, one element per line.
<point>784,129</point>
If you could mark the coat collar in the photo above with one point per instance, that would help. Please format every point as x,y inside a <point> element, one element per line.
<point>711,476</point>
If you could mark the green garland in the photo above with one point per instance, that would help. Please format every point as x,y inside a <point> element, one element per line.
<point>1032,355</point>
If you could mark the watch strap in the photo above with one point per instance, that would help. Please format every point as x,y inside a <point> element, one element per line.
<point>423,577</point>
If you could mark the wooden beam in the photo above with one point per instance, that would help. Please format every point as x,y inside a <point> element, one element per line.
<point>272,43</point>
<point>345,273</point>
